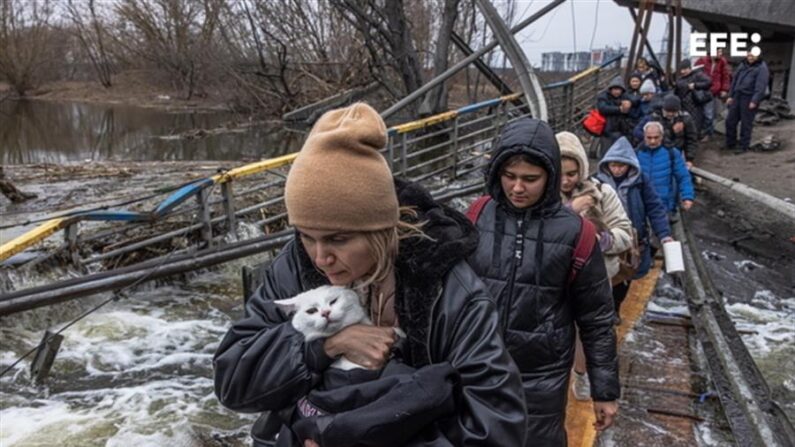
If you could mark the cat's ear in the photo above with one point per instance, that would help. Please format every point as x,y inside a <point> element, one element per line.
<point>288,305</point>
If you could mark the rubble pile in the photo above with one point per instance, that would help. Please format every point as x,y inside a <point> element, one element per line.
<point>772,110</point>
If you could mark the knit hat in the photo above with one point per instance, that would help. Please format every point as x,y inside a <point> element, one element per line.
<point>671,103</point>
<point>339,181</point>
<point>684,63</point>
<point>647,87</point>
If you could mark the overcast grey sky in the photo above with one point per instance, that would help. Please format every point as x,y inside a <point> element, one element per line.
<point>553,32</point>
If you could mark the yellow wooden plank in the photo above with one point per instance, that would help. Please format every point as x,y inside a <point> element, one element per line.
<point>419,124</point>
<point>32,237</point>
<point>582,74</point>
<point>579,414</point>
<point>254,168</point>
<point>511,97</point>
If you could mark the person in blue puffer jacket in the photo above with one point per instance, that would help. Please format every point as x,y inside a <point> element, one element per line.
<point>666,168</point>
<point>620,169</point>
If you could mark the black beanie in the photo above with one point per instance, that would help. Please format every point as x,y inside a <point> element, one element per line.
<point>672,103</point>
<point>685,63</point>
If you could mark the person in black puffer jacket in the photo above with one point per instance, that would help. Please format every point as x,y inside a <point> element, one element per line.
<point>527,240</point>
<point>615,104</point>
<point>357,226</point>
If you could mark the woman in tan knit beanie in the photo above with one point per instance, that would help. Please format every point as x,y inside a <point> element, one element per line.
<point>358,226</point>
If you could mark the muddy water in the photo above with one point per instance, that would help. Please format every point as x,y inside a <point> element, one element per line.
<point>59,132</point>
<point>752,263</point>
<point>138,372</point>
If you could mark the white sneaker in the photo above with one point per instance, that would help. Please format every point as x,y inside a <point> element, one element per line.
<point>581,386</point>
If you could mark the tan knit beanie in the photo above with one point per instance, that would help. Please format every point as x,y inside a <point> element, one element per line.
<point>339,181</point>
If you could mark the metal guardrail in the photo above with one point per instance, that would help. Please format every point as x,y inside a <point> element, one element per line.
<point>450,143</point>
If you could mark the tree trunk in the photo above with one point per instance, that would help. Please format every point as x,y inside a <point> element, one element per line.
<point>406,60</point>
<point>436,100</point>
<point>11,192</point>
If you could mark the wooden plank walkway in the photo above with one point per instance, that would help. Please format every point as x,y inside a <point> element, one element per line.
<point>579,414</point>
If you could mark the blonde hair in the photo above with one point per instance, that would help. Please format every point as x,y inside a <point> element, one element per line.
<point>384,244</point>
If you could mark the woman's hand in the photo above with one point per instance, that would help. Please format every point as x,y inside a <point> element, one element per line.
<point>311,443</point>
<point>369,346</point>
<point>605,413</point>
<point>582,203</point>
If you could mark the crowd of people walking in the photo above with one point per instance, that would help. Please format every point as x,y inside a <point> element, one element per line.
<point>473,323</point>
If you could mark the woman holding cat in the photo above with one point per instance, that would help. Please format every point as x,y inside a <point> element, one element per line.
<point>358,227</point>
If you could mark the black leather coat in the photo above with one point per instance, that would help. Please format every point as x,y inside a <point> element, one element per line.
<point>524,257</point>
<point>263,363</point>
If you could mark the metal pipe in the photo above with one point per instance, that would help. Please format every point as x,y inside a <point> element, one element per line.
<point>464,62</point>
<point>59,292</point>
<point>631,60</point>
<point>646,40</point>
<point>764,198</point>
<point>530,86</point>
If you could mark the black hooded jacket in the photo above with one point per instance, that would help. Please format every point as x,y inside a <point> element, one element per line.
<point>618,123</point>
<point>263,363</point>
<point>524,256</point>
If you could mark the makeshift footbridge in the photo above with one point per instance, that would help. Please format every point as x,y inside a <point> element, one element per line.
<point>187,227</point>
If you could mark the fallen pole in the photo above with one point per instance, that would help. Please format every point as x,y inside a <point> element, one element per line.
<point>58,292</point>
<point>61,291</point>
<point>782,206</point>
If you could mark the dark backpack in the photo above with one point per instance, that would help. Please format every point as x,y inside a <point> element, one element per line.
<point>585,241</point>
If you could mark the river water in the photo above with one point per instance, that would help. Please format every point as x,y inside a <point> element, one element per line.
<point>138,372</point>
<point>60,132</point>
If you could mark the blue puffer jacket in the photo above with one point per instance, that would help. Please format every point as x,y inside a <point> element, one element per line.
<point>668,173</point>
<point>641,202</point>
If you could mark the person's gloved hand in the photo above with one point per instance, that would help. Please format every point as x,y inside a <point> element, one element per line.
<point>605,240</point>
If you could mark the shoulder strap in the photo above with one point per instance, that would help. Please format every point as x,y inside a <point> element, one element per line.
<point>476,208</point>
<point>585,243</point>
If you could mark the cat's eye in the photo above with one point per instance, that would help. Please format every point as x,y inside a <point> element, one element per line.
<point>311,310</point>
<point>333,301</point>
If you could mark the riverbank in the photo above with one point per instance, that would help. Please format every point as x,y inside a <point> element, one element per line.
<point>141,88</point>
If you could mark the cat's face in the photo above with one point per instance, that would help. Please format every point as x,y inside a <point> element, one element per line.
<point>324,311</point>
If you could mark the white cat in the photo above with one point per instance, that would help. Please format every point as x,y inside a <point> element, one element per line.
<point>323,312</point>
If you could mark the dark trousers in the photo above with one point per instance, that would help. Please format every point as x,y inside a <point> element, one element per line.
<point>739,112</point>
<point>619,293</point>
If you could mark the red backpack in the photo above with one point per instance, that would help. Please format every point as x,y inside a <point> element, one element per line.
<point>585,241</point>
<point>594,123</point>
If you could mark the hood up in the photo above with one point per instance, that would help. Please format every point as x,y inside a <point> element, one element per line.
<point>535,139</point>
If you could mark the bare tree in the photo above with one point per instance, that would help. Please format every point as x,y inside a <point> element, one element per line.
<point>387,37</point>
<point>92,35</point>
<point>27,42</point>
<point>176,35</point>
<point>286,53</point>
